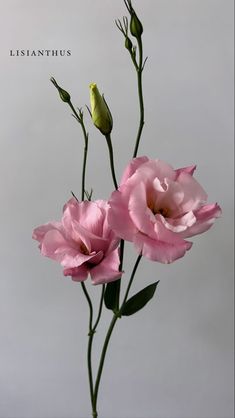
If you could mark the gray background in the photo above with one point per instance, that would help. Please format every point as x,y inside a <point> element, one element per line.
<point>175,358</point>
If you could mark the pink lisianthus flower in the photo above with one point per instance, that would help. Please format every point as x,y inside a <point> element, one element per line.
<point>157,207</point>
<point>82,242</point>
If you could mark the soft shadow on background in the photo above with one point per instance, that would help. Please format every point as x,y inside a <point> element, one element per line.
<point>175,358</point>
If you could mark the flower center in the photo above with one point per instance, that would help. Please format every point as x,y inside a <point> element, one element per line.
<point>84,249</point>
<point>164,211</point>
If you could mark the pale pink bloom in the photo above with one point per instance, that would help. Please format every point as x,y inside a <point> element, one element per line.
<point>157,207</point>
<point>82,242</point>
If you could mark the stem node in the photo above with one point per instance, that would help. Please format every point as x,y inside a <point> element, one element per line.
<point>91,332</point>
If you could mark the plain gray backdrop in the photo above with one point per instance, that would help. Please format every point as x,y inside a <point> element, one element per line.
<point>174,359</point>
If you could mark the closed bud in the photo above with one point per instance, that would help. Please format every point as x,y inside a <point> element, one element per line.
<point>64,95</point>
<point>136,27</point>
<point>100,112</point>
<point>128,44</point>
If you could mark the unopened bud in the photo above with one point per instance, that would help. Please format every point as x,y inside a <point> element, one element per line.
<point>64,95</point>
<point>100,112</point>
<point>128,44</point>
<point>136,27</point>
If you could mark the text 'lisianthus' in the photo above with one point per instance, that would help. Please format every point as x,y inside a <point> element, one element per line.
<point>82,242</point>
<point>157,207</point>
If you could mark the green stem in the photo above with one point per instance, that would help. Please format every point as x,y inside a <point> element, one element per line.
<point>110,147</point>
<point>91,333</point>
<point>109,333</point>
<point>131,280</point>
<point>84,160</point>
<point>141,99</point>
<point>89,348</point>
<point>100,308</point>
<point>122,244</point>
<point>79,118</point>
<point>102,358</point>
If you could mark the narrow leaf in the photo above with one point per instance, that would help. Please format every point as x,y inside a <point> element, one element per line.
<point>111,296</point>
<point>139,300</point>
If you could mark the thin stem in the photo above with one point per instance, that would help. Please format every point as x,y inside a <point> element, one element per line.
<point>100,308</point>
<point>74,111</point>
<point>79,118</point>
<point>109,333</point>
<point>110,147</point>
<point>140,93</point>
<point>134,60</point>
<point>122,244</point>
<point>89,364</point>
<point>91,333</point>
<point>131,280</point>
<point>84,160</point>
<point>102,358</point>
<point>89,303</point>
<point>89,348</point>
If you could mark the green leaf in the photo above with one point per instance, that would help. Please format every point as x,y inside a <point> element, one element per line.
<point>111,296</point>
<point>139,300</point>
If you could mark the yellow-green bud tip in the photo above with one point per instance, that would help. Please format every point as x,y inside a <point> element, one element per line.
<point>93,86</point>
<point>100,112</point>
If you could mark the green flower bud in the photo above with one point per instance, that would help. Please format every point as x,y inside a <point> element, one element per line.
<point>64,95</point>
<point>128,44</point>
<point>136,27</point>
<point>100,112</point>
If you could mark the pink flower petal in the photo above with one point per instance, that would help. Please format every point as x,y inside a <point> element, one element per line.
<point>91,241</point>
<point>107,270</point>
<point>157,206</point>
<point>141,215</point>
<point>194,195</point>
<point>71,260</point>
<point>83,241</point>
<point>205,217</point>
<point>78,274</point>
<point>52,244</point>
<point>190,170</point>
<point>132,167</point>
<point>179,224</point>
<point>40,231</point>
<point>72,203</point>
<point>87,213</point>
<point>118,216</point>
<point>156,168</point>
<point>161,251</point>
<point>170,197</point>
